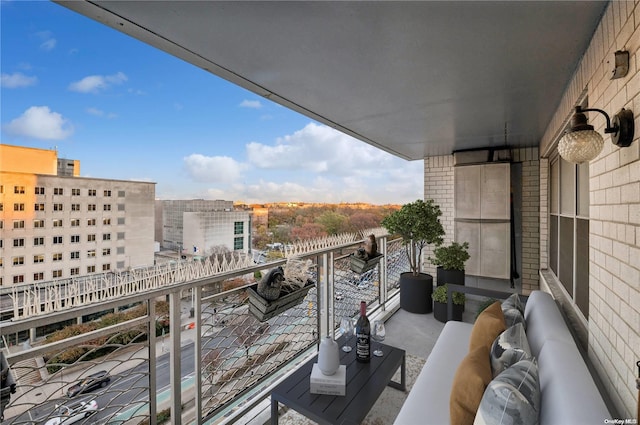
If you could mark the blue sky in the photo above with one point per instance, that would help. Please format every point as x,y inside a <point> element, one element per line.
<point>129,111</point>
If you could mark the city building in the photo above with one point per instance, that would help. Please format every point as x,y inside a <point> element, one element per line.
<point>56,224</point>
<point>198,226</point>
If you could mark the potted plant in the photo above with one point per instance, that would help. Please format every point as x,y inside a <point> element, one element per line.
<point>418,224</point>
<point>440,304</point>
<point>450,263</point>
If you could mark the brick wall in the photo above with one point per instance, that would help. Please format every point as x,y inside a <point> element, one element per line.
<point>614,281</point>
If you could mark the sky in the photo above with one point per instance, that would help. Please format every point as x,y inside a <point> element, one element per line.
<point>129,111</point>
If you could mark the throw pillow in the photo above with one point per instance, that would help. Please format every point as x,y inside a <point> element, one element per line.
<point>509,347</point>
<point>513,316</point>
<point>512,398</point>
<point>471,378</point>
<point>513,302</point>
<point>488,325</point>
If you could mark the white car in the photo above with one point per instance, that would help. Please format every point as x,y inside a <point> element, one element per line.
<point>73,413</point>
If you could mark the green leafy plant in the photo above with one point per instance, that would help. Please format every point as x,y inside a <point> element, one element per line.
<point>451,257</point>
<point>440,295</point>
<point>418,224</point>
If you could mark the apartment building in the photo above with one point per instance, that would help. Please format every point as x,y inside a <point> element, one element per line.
<point>55,224</point>
<point>196,226</point>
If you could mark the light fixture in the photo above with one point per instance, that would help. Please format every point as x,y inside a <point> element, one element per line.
<point>581,143</point>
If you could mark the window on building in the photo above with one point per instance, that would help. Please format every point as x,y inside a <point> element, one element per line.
<point>106,251</point>
<point>1,224</point>
<point>58,191</point>
<point>39,190</point>
<point>120,220</point>
<point>58,207</point>
<point>75,271</point>
<point>75,192</point>
<point>92,192</point>
<point>38,241</point>
<point>569,229</point>
<point>38,224</point>
<point>1,206</point>
<point>91,207</point>
<point>238,228</point>
<point>57,222</point>
<point>75,222</point>
<point>75,255</point>
<point>18,261</point>
<point>56,274</point>
<point>38,276</point>
<point>106,207</point>
<point>120,236</point>
<point>91,253</point>
<point>121,194</point>
<point>75,238</point>
<point>18,207</point>
<point>18,279</point>
<point>120,265</point>
<point>106,236</point>
<point>57,256</point>
<point>106,222</point>
<point>120,250</point>
<point>18,242</point>
<point>75,207</point>
<point>91,237</point>
<point>18,190</point>
<point>91,222</point>
<point>107,192</point>
<point>39,207</point>
<point>39,258</point>
<point>18,224</point>
<point>57,240</point>
<point>106,267</point>
<point>91,269</point>
<point>238,243</point>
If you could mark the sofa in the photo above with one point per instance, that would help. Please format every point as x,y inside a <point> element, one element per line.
<point>567,392</point>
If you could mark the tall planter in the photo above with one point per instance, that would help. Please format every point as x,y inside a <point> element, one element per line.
<point>415,292</point>
<point>449,276</point>
<point>440,312</point>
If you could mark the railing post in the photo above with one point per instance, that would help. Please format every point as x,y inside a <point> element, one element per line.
<point>153,402</point>
<point>175,381</point>
<point>198,353</point>
<point>382,274</point>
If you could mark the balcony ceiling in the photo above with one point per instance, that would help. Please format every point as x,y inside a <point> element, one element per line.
<point>412,78</point>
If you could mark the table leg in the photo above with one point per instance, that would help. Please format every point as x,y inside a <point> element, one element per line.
<point>402,386</point>
<point>274,412</point>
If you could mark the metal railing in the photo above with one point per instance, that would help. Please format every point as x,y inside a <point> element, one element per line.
<point>196,350</point>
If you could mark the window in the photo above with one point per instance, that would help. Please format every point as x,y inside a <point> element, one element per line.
<point>106,236</point>
<point>75,238</point>
<point>106,267</point>
<point>75,255</point>
<point>1,224</point>
<point>91,222</point>
<point>18,190</point>
<point>38,276</point>
<point>75,207</point>
<point>91,269</point>
<point>38,224</point>
<point>106,207</point>
<point>120,207</point>
<point>38,258</point>
<point>57,240</point>
<point>120,220</point>
<point>106,251</point>
<point>38,241</point>
<point>18,261</point>
<point>57,256</point>
<point>91,253</point>
<point>91,237</point>
<point>75,222</point>
<point>238,243</point>
<point>120,236</point>
<point>58,191</point>
<point>75,192</point>
<point>120,265</point>
<point>18,242</point>
<point>58,207</point>
<point>120,250</point>
<point>18,207</point>
<point>92,192</point>
<point>39,207</point>
<point>56,274</point>
<point>57,222</point>
<point>18,224</point>
<point>75,271</point>
<point>238,228</point>
<point>107,193</point>
<point>106,222</point>
<point>18,279</point>
<point>39,190</point>
<point>1,206</point>
<point>91,207</point>
<point>121,194</point>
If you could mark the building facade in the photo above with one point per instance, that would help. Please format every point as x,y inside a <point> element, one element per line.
<point>57,225</point>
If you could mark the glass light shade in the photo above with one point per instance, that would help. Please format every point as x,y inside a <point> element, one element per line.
<point>580,146</point>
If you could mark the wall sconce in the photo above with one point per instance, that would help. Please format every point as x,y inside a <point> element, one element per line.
<point>581,143</point>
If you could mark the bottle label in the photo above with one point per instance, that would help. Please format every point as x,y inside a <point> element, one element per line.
<point>363,350</point>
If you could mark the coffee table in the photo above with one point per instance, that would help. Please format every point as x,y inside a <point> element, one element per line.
<point>365,383</point>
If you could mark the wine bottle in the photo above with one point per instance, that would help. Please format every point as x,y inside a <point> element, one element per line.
<point>363,335</point>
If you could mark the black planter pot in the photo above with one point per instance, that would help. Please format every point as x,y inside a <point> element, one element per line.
<point>415,292</point>
<point>449,276</point>
<point>440,312</point>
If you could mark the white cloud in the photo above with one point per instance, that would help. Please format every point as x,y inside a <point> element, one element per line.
<point>39,122</point>
<point>17,79</point>
<point>100,113</point>
<point>213,169</point>
<point>97,83</point>
<point>252,104</point>
<point>49,44</point>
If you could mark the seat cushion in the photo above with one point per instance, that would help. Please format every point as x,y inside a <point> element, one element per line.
<point>471,378</point>
<point>488,325</point>
<point>544,322</point>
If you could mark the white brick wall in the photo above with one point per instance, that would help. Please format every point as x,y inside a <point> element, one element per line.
<point>614,254</point>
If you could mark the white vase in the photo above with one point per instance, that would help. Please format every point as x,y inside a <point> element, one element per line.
<point>328,356</point>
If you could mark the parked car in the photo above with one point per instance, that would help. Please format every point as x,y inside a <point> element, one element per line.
<point>66,415</point>
<point>89,383</point>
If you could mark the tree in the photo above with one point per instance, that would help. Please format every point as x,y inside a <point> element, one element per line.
<point>363,220</point>
<point>308,231</point>
<point>332,222</point>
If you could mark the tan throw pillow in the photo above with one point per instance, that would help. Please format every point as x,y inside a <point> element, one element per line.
<point>469,383</point>
<point>489,324</point>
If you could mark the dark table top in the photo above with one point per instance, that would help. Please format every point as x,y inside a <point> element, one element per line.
<point>365,383</point>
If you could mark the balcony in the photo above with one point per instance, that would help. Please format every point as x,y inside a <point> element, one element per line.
<point>210,357</point>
